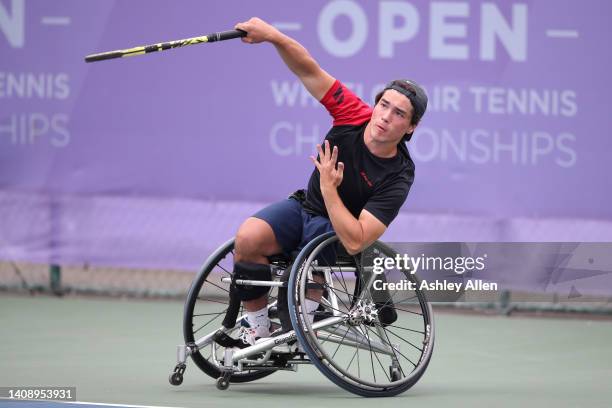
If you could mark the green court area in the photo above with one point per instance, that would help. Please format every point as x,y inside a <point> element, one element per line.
<point>122,351</point>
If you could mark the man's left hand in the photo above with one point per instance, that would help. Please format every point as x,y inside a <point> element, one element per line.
<point>330,175</point>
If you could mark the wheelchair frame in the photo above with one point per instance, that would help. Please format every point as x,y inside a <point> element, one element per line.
<point>355,326</point>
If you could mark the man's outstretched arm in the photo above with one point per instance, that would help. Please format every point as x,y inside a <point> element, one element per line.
<point>316,80</point>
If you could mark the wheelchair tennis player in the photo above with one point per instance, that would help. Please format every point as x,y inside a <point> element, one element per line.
<point>362,176</point>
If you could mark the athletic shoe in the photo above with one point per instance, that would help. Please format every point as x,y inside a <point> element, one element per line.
<point>248,336</point>
<point>244,322</point>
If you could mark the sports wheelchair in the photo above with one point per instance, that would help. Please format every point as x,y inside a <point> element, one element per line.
<point>371,333</point>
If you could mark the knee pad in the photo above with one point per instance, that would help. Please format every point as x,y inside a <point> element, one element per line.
<point>250,271</point>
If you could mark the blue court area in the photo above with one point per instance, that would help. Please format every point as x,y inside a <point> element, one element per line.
<point>122,351</point>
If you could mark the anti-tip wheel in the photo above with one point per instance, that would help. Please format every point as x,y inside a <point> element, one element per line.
<point>222,383</point>
<point>176,379</point>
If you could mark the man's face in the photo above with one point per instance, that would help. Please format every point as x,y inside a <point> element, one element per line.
<point>391,118</point>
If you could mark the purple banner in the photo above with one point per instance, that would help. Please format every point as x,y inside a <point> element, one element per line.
<point>516,127</point>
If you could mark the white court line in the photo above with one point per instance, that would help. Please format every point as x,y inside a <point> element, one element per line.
<point>562,33</point>
<point>55,20</point>
<point>117,405</point>
<point>88,403</point>
<point>288,26</point>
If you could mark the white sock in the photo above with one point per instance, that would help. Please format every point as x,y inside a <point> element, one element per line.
<point>311,306</point>
<point>260,321</point>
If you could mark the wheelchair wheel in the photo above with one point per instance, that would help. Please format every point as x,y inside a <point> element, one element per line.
<point>205,308</point>
<point>369,341</point>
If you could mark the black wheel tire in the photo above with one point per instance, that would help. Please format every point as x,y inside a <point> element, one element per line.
<point>188,324</point>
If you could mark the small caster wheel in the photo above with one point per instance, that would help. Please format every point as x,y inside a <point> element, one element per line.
<point>176,378</point>
<point>223,383</point>
<point>396,375</point>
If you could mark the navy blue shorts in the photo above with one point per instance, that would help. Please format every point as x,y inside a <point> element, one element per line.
<point>293,227</point>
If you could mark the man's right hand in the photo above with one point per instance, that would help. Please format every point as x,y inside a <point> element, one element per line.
<point>257,31</point>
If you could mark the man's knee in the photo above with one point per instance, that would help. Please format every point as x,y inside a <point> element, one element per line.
<point>255,239</point>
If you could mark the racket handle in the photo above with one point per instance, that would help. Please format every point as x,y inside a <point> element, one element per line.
<point>226,35</point>
<point>104,56</point>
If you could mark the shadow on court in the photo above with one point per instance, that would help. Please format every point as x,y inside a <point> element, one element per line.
<point>121,352</point>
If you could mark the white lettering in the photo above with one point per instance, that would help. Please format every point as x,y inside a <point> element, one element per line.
<point>359,24</point>
<point>480,146</point>
<point>546,102</point>
<point>571,160</point>
<point>62,87</point>
<point>450,28</point>
<point>310,140</point>
<point>288,139</point>
<point>459,147</point>
<point>13,26</point>
<point>479,93</point>
<point>59,123</point>
<point>389,33</point>
<point>419,145</point>
<point>285,93</point>
<point>498,147</point>
<point>378,262</point>
<point>513,36</point>
<point>38,125</point>
<point>28,129</point>
<point>28,85</point>
<point>274,142</point>
<point>496,101</point>
<point>479,284</point>
<point>568,100</point>
<point>538,149</point>
<point>441,31</point>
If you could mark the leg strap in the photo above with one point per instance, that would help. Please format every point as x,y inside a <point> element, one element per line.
<point>238,293</point>
<point>233,308</point>
<point>251,271</point>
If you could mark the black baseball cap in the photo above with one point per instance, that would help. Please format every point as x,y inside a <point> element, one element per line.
<point>413,91</point>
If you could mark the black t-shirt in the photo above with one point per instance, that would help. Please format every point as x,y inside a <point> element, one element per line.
<point>380,185</point>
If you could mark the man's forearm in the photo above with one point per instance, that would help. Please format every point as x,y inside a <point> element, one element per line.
<point>295,56</point>
<point>347,227</point>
